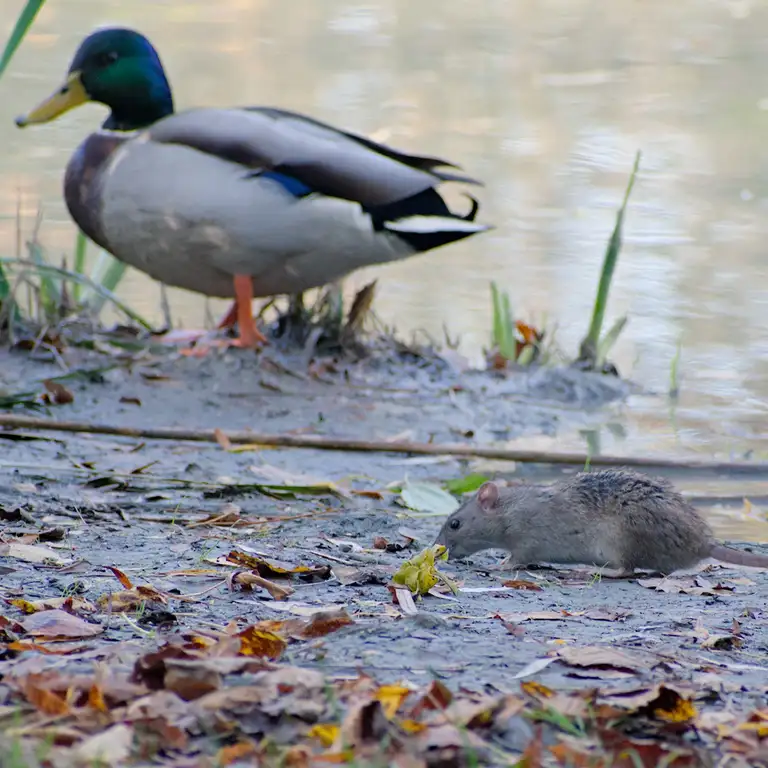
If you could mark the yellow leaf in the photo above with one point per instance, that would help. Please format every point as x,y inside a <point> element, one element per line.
<point>391,697</point>
<point>683,711</point>
<point>411,726</point>
<point>326,733</point>
<point>254,642</point>
<point>419,574</point>
<point>25,605</point>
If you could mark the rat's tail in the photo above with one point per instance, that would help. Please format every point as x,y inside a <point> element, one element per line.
<point>738,556</point>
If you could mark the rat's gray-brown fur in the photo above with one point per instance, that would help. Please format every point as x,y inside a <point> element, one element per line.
<point>614,518</point>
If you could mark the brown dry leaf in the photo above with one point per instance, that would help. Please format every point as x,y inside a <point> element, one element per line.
<point>352,576</point>
<point>365,723</point>
<point>722,642</point>
<point>378,495</point>
<point>58,624</point>
<point>437,696</point>
<point>320,624</point>
<point>273,570</point>
<point>482,712</point>
<point>531,586</point>
<point>224,442</point>
<point>622,752</point>
<point>121,577</point>
<point>57,394</point>
<point>603,657</point>
<point>258,642</point>
<point>70,604</point>
<point>21,646</point>
<point>236,753</point>
<point>110,747</point>
<point>361,307</point>
<point>190,680</point>
<point>96,699</point>
<point>451,742</point>
<point>130,599</point>
<point>228,516</point>
<point>38,693</point>
<point>688,585</point>
<point>603,614</point>
<point>32,553</point>
<point>248,579</point>
<point>128,400</point>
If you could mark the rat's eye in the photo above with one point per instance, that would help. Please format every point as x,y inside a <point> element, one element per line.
<point>455,525</point>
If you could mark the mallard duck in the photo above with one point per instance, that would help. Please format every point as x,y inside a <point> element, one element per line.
<point>243,202</point>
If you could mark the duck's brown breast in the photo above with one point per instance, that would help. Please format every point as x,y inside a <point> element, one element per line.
<point>83,182</point>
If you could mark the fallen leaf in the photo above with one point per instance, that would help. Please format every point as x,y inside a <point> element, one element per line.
<point>59,624</point>
<point>319,624</point>
<point>247,580</point>
<point>688,585</point>
<point>602,657</point>
<point>468,484</point>
<point>405,599</point>
<point>273,569</point>
<point>110,747</point>
<point>236,753</point>
<point>428,497</point>
<point>522,584</point>
<point>57,393</point>
<point>32,553</point>
<point>69,604</point>
<point>257,642</point>
<point>436,697</point>
<point>224,442</point>
<point>420,573</point>
<point>121,577</point>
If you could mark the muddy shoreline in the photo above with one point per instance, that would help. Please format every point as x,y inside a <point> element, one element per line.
<point>128,504</point>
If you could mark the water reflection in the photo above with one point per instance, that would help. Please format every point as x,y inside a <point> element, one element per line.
<point>547,101</point>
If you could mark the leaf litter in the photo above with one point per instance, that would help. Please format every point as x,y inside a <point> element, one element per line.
<point>181,643</point>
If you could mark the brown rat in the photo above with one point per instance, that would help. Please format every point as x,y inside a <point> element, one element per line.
<point>614,518</point>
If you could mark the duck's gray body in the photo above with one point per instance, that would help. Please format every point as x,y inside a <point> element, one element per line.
<point>206,194</point>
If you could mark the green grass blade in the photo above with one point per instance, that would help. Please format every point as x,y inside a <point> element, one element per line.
<point>589,345</point>
<point>497,320</point>
<point>107,273</point>
<point>81,243</point>
<point>605,344</point>
<point>20,29</point>
<point>50,296</point>
<point>49,269</point>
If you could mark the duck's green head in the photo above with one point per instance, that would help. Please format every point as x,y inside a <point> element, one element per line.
<point>116,67</point>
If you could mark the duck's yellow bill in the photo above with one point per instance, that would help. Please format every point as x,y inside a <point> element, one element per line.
<point>72,94</point>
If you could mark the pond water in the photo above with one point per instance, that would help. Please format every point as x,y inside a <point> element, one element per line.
<point>547,102</point>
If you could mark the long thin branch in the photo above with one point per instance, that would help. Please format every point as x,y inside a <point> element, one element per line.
<point>325,443</point>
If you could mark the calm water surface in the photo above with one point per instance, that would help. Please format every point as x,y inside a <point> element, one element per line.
<point>547,102</point>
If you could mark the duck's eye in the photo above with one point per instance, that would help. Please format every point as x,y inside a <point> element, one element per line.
<point>455,525</point>
<point>105,59</point>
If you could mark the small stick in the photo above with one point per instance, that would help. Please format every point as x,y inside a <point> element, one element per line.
<point>325,443</point>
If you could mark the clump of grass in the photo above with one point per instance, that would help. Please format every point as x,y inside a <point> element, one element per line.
<point>594,349</point>
<point>512,341</point>
<point>54,292</point>
<point>516,342</point>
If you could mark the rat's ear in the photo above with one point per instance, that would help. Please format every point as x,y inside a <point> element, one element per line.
<point>488,496</point>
